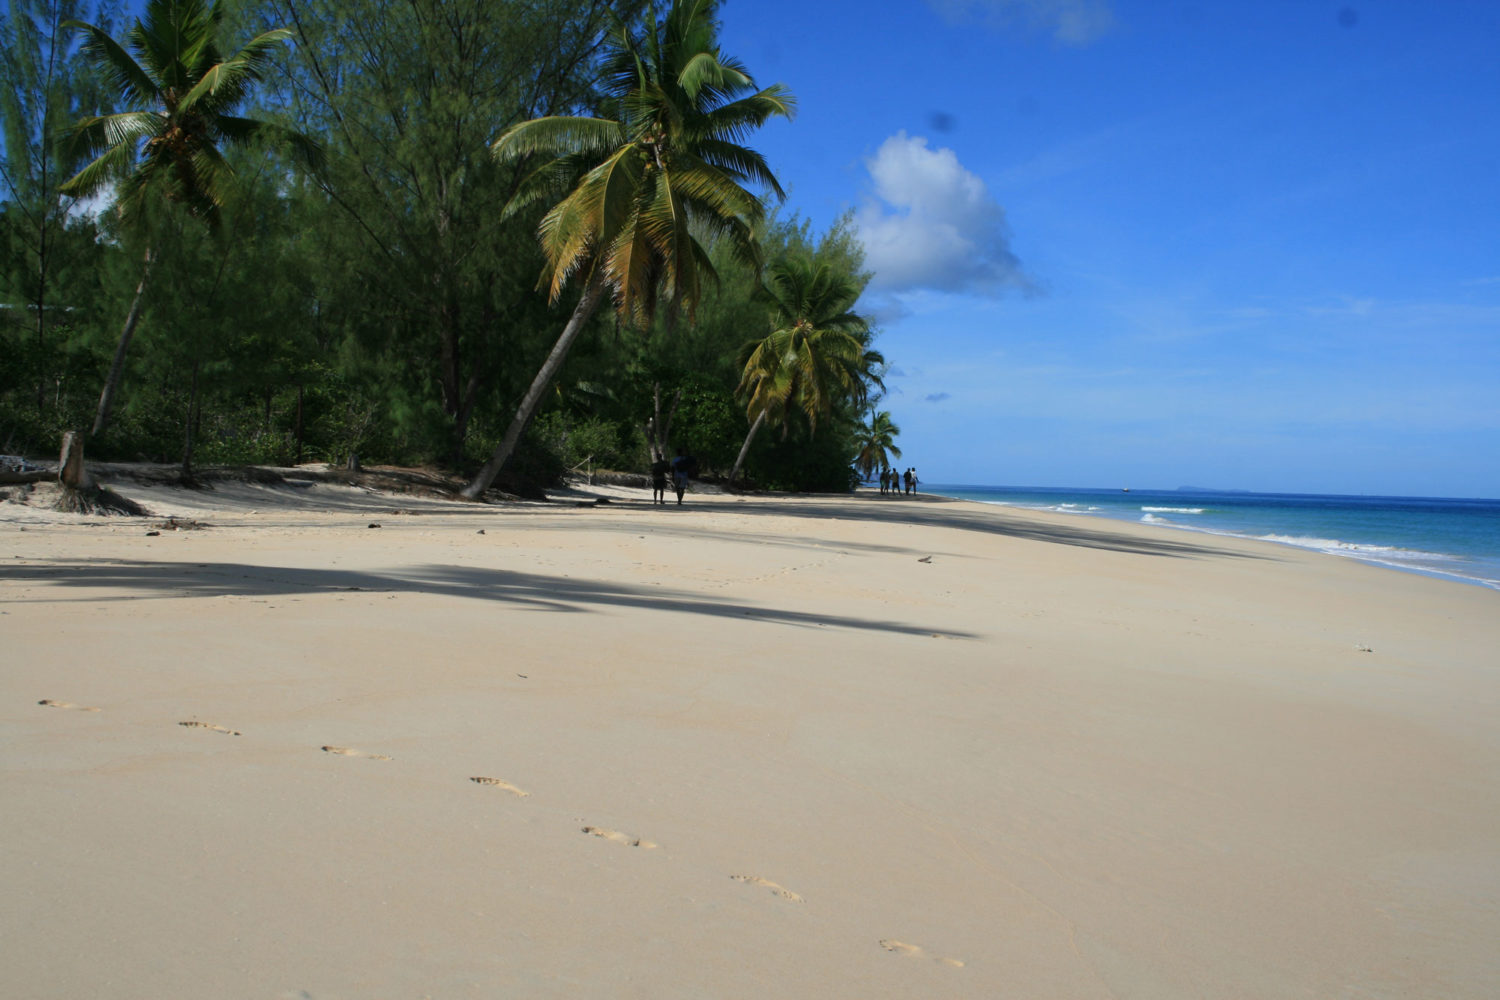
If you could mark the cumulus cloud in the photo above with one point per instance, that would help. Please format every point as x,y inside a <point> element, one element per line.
<point>933,225</point>
<point>1076,22</point>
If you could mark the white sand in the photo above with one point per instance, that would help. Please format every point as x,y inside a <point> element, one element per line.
<point>745,748</point>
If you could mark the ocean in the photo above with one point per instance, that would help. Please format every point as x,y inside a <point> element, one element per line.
<point>1451,538</point>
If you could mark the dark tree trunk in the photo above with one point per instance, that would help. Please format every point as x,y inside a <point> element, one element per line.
<point>112,383</point>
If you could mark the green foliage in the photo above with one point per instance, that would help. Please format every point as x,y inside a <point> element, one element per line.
<point>876,439</point>
<point>184,91</point>
<point>48,254</point>
<point>579,442</point>
<point>418,264</point>
<point>387,305</point>
<point>666,151</point>
<point>709,425</point>
<point>802,461</point>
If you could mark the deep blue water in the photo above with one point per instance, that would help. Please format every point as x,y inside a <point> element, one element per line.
<point>1458,539</point>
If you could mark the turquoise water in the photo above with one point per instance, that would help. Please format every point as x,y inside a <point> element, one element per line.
<point>1453,538</point>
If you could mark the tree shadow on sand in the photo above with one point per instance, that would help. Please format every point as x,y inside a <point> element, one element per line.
<point>530,591</point>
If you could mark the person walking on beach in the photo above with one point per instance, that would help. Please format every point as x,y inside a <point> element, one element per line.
<point>681,466</point>
<point>911,482</point>
<point>659,481</point>
<point>885,480</point>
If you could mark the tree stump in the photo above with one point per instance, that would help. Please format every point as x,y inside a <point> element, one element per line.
<point>70,468</point>
<point>80,494</point>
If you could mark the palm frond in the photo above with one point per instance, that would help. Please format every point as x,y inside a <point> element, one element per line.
<point>131,83</point>
<point>225,84</point>
<point>713,192</point>
<point>112,141</point>
<point>740,163</point>
<point>547,182</point>
<point>705,75</point>
<point>558,135</point>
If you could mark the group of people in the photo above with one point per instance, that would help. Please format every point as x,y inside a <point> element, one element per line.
<point>681,467</point>
<point>892,480</point>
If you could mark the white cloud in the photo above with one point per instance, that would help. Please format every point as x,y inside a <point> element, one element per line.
<point>1076,22</point>
<point>935,225</point>
<point>94,205</point>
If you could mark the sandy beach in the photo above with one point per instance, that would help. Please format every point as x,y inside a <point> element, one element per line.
<point>750,747</point>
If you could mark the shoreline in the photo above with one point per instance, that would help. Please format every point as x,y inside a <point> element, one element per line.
<point>874,749</point>
<point>1368,551</point>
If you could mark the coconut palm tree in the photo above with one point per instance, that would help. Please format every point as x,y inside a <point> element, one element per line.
<point>166,149</point>
<point>817,352</point>
<point>643,184</point>
<point>877,444</point>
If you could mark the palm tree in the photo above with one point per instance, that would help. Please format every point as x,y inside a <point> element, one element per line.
<point>877,444</point>
<point>665,166</point>
<point>168,148</point>
<point>817,352</point>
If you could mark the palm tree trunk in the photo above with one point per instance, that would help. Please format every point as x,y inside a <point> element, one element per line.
<point>112,383</point>
<point>745,448</point>
<point>527,409</point>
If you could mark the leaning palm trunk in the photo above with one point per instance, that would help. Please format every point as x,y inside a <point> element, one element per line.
<point>112,383</point>
<point>745,448</point>
<point>527,409</point>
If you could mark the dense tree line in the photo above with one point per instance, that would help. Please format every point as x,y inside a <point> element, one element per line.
<point>502,237</point>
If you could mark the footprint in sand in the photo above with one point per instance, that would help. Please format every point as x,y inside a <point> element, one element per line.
<point>348,752</point>
<point>617,837</point>
<point>66,704</point>
<point>209,725</point>
<point>779,890</point>
<point>914,951</point>
<point>504,786</point>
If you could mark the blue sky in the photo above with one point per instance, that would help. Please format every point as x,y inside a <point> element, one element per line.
<point>1248,245</point>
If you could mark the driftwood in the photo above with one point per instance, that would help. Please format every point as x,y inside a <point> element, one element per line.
<point>15,470</point>
<point>9,477</point>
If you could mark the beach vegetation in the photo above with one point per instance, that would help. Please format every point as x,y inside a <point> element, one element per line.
<point>165,148</point>
<point>645,185</point>
<point>48,249</point>
<point>370,292</point>
<point>817,352</point>
<point>877,444</point>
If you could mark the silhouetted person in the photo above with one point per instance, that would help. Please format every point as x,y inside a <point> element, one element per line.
<point>885,480</point>
<point>911,481</point>
<point>659,480</point>
<point>681,465</point>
